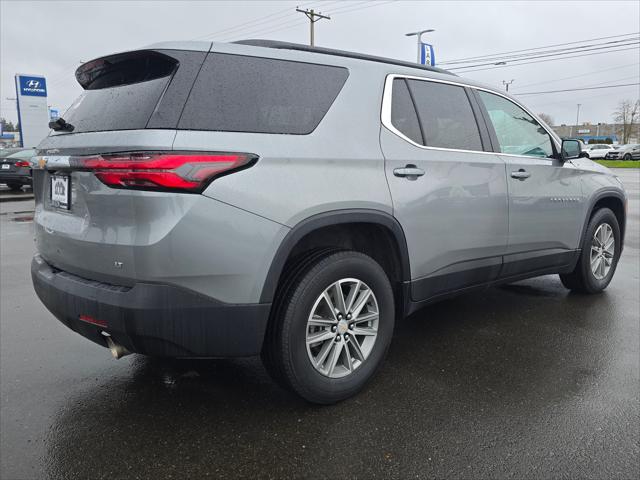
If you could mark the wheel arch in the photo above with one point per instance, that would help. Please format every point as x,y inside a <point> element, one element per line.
<point>616,202</point>
<point>335,219</point>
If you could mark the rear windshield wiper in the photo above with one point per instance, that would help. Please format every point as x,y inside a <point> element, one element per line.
<point>60,125</point>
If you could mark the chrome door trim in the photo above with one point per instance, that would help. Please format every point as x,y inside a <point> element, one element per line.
<point>385,114</point>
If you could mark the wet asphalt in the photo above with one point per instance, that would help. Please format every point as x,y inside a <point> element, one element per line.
<point>521,381</point>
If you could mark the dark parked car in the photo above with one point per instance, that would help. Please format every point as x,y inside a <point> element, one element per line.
<point>15,169</point>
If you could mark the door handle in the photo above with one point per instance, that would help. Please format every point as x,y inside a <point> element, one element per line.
<point>410,171</point>
<point>521,174</point>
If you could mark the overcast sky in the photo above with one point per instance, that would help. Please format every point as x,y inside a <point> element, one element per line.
<point>52,37</point>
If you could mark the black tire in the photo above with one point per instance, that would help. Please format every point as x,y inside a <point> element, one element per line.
<point>582,279</point>
<point>14,187</point>
<point>627,157</point>
<point>285,351</point>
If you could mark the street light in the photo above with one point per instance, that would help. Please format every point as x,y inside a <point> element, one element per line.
<point>419,35</point>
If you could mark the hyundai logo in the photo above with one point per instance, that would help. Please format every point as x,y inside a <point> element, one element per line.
<point>33,83</point>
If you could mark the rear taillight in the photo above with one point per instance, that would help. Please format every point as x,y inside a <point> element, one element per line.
<point>190,172</point>
<point>22,163</point>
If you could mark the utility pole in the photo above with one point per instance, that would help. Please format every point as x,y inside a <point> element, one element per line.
<point>313,18</point>
<point>419,36</point>
<point>506,84</point>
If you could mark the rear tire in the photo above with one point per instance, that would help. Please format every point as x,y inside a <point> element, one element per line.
<point>627,157</point>
<point>313,369</point>
<point>14,187</point>
<point>597,263</point>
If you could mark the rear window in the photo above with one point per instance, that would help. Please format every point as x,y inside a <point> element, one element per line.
<point>121,91</point>
<point>249,94</point>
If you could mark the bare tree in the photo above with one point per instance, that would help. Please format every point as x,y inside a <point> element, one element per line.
<point>626,116</point>
<point>546,118</point>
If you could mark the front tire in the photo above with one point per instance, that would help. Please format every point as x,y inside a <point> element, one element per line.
<point>15,187</point>
<point>599,257</point>
<point>331,326</point>
<point>627,157</point>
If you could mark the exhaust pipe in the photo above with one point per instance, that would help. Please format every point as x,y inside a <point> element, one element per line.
<point>117,350</point>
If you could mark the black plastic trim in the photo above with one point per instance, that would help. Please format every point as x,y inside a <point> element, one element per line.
<point>456,276</point>
<point>335,217</point>
<point>338,53</point>
<point>153,319</point>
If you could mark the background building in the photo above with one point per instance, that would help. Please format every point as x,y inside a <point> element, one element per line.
<point>600,133</point>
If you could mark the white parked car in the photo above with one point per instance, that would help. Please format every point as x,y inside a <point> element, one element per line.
<point>598,150</point>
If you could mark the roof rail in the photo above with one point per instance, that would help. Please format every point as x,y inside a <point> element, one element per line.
<point>338,53</point>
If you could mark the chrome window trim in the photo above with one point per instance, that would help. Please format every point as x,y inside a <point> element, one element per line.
<point>385,115</point>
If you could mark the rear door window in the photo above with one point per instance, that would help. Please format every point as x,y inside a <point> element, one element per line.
<point>403,113</point>
<point>236,93</point>
<point>446,115</point>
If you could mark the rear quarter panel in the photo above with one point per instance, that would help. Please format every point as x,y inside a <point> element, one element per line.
<point>337,166</point>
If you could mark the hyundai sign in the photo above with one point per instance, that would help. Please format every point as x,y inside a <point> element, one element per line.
<point>33,86</point>
<point>33,111</point>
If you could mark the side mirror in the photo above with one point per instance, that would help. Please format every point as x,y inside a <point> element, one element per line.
<point>570,149</point>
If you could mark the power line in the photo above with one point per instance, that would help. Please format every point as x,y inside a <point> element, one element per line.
<point>633,42</point>
<point>578,89</point>
<point>256,21</point>
<point>287,24</point>
<point>480,57</point>
<point>580,75</point>
<point>559,51</point>
<point>550,60</point>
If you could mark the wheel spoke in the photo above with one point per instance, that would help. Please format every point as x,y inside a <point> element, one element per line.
<point>356,349</point>
<point>322,355</point>
<point>320,337</point>
<point>360,303</point>
<point>366,318</point>
<point>601,267</point>
<point>327,299</point>
<point>321,322</point>
<point>339,297</point>
<point>364,331</point>
<point>335,355</point>
<point>352,296</point>
<point>348,363</point>
<point>594,263</point>
<point>609,245</point>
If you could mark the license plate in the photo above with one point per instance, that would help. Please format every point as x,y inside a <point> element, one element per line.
<point>61,191</point>
<point>6,166</point>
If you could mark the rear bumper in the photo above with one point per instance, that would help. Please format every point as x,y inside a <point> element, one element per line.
<point>15,178</point>
<point>151,319</point>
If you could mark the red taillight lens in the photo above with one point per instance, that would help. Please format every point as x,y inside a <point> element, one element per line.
<point>22,163</point>
<point>162,171</point>
<point>92,320</point>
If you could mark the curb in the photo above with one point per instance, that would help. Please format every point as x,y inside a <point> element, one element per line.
<point>15,198</point>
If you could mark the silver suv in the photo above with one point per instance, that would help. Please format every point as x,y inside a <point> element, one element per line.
<point>217,200</point>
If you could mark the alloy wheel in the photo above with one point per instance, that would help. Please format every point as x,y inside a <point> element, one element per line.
<point>602,251</point>
<point>342,327</point>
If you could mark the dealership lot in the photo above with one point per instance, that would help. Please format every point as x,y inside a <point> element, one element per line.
<point>521,381</point>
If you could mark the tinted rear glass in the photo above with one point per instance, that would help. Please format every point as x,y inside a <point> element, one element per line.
<point>403,113</point>
<point>445,115</point>
<point>121,91</point>
<point>249,94</point>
